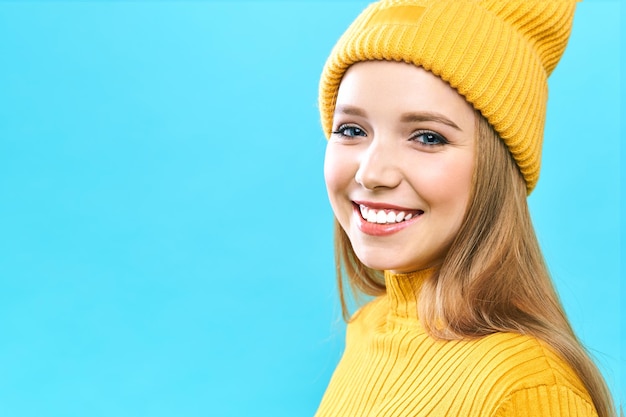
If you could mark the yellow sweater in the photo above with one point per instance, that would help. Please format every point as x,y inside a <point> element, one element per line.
<point>391,367</point>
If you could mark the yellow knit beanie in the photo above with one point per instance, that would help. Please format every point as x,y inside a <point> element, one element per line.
<point>498,54</point>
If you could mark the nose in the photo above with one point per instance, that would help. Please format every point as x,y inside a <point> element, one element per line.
<point>379,167</point>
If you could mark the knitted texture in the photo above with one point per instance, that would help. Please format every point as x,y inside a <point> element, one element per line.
<point>497,54</point>
<point>392,367</point>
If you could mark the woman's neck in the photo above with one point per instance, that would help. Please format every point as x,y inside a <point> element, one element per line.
<point>403,291</point>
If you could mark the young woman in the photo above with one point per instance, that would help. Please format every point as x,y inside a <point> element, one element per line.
<point>434,111</point>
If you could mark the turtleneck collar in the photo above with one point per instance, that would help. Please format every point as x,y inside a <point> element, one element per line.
<point>403,290</point>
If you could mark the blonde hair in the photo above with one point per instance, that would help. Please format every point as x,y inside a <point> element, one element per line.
<point>493,278</point>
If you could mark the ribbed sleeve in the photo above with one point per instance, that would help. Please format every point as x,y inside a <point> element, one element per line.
<point>546,401</point>
<point>392,367</point>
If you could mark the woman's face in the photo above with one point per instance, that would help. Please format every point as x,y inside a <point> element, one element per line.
<point>399,164</point>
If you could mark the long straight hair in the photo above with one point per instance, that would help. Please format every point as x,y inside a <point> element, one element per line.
<point>493,278</point>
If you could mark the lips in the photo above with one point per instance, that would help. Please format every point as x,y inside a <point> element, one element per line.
<point>386,216</point>
<point>382,219</point>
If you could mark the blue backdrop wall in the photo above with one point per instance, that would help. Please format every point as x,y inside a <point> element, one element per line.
<point>165,239</point>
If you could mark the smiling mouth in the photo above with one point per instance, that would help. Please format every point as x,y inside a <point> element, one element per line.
<point>387,216</point>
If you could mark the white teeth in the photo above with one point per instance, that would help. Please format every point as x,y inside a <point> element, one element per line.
<point>382,216</point>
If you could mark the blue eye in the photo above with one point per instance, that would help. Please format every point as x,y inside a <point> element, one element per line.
<point>349,131</point>
<point>429,138</point>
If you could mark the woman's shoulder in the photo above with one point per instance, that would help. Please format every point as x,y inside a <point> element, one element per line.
<point>372,315</point>
<point>524,367</point>
<point>501,371</point>
<point>524,356</point>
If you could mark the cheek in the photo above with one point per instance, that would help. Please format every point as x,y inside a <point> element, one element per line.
<point>448,185</point>
<point>460,187</point>
<point>339,177</point>
<point>336,171</point>
<point>463,174</point>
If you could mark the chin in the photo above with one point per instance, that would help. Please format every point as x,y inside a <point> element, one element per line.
<point>375,262</point>
<point>379,260</point>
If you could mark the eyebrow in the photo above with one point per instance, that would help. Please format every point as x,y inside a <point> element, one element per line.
<point>428,117</point>
<point>412,117</point>
<point>351,110</point>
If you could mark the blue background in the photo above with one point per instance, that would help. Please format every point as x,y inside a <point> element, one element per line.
<point>165,239</point>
